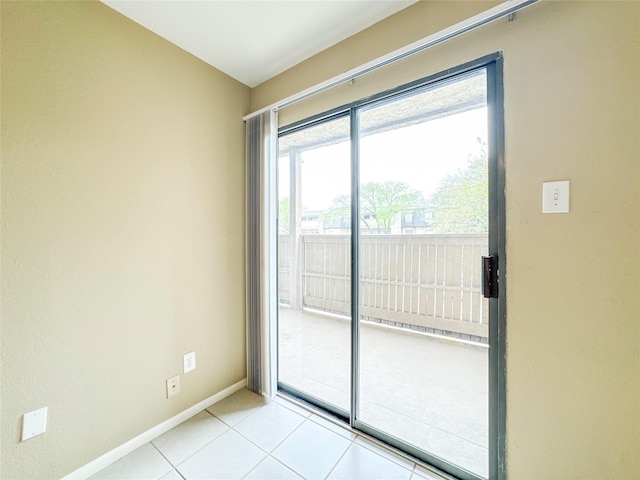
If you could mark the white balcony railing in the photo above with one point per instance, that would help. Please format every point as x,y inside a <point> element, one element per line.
<point>429,283</point>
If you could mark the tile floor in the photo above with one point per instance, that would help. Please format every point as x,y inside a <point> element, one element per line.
<point>244,437</point>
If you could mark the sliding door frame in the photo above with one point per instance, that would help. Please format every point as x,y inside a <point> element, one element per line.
<point>497,246</point>
<point>355,265</point>
<point>493,65</point>
<point>283,387</point>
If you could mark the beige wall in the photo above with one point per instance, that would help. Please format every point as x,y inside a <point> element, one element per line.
<point>403,28</point>
<point>572,100</point>
<point>122,231</point>
<point>122,224</point>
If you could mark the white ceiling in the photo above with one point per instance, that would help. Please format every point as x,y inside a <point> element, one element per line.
<point>255,40</point>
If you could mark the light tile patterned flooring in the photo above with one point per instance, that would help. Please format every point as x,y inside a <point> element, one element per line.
<point>244,437</point>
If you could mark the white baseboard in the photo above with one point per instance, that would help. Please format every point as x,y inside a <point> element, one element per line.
<point>117,453</point>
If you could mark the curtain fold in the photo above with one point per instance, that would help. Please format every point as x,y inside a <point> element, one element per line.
<point>261,258</point>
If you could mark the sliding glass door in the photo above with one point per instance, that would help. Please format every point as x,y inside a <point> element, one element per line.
<point>393,202</point>
<point>314,321</point>
<point>423,320</point>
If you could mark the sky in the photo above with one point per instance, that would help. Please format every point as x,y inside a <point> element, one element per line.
<point>420,155</point>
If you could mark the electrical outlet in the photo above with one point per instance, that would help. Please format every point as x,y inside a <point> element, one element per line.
<point>173,386</point>
<point>189,361</point>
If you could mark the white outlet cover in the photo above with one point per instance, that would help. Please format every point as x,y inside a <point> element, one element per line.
<point>555,197</point>
<point>189,362</point>
<point>34,423</point>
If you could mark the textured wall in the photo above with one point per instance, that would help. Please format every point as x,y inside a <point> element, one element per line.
<point>122,231</point>
<point>572,101</point>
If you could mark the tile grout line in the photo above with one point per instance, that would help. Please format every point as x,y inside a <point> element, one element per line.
<point>254,467</point>
<point>287,466</point>
<point>370,442</point>
<point>305,420</point>
<point>179,474</point>
<point>268,453</point>
<point>275,460</point>
<point>274,448</point>
<point>340,458</point>
<point>173,467</point>
<point>244,418</point>
<point>229,427</point>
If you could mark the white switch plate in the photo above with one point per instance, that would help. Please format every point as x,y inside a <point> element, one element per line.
<point>34,423</point>
<point>555,197</point>
<point>173,386</point>
<point>189,361</point>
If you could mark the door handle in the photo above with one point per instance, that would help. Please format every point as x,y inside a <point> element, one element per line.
<point>490,276</point>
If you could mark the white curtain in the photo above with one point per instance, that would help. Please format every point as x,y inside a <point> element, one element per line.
<point>261,253</point>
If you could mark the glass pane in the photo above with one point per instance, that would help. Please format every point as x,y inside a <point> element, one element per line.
<point>424,227</point>
<point>314,323</point>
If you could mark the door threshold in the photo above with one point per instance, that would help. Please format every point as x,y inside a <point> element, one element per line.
<point>433,472</point>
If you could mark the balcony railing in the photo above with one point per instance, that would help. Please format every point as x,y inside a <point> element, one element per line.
<point>429,283</point>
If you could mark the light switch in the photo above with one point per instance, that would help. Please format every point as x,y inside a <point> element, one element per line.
<point>34,423</point>
<point>555,197</point>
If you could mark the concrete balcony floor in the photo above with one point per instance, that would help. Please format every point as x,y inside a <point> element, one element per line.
<point>429,392</point>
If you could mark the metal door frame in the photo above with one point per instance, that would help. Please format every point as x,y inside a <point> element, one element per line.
<point>493,65</point>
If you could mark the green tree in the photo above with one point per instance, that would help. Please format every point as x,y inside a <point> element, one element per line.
<point>284,209</point>
<point>380,204</point>
<point>461,201</point>
<point>340,208</point>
